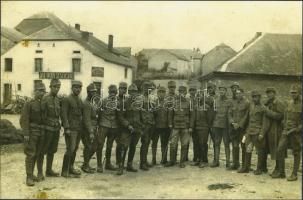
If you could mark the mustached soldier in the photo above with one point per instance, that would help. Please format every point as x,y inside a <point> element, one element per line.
<point>89,135</point>
<point>292,133</point>
<point>72,112</point>
<point>32,124</point>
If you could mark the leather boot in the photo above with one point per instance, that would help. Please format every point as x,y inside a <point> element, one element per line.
<point>235,156</point>
<point>184,151</point>
<point>264,164</point>
<point>154,154</point>
<point>65,171</point>
<point>243,153</point>
<point>205,154</point>
<point>49,163</point>
<point>275,172</point>
<point>130,168</point>
<point>72,169</point>
<point>246,167</point>
<point>216,156</point>
<point>294,175</point>
<point>40,176</point>
<point>29,172</point>
<point>99,161</point>
<point>281,169</point>
<point>164,156</point>
<point>259,164</point>
<point>121,161</point>
<point>173,157</point>
<point>143,161</point>
<point>227,155</point>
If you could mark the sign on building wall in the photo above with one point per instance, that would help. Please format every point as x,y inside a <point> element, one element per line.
<point>58,75</point>
<point>98,71</point>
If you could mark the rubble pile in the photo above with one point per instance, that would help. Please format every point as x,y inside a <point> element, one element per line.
<point>9,134</point>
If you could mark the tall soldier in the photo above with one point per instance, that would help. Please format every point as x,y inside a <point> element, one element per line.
<point>161,127</point>
<point>71,115</point>
<point>275,117</point>
<point>254,136</point>
<point>180,120</point>
<point>32,124</point>
<point>192,98</point>
<point>238,119</point>
<point>148,120</point>
<point>220,127</point>
<point>51,110</point>
<point>108,124</point>
<point>292,130</point>
<point>122,90</point>
<point>201,128</point>
<point>89,134</point>
<point>130,118</point>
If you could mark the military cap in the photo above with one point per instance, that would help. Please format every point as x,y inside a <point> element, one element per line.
<point>171,84</point>
<point>161,88</point>
<point>91,87</point>
<point>295,88</point>
<point>182,87</point>
<point>55,81</point>
<point>75,82</point>
<point>132,87</point>
<point>255,93</point>
<point>222,86</point>
<point>210,84</point>
<point>270,89</point>
<point>39,86</point>
<point>147,84</point>
<point>235,84</point>
<point>112,87</point>
<point>122,85</point>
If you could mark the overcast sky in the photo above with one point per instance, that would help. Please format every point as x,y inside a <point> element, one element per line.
<point>167,24</point>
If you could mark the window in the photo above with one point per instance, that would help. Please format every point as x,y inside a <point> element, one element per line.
<point>8,65</point>
<point>39,51</point>
<point>76,51</point>
<point>76,64</point>
<point>125,72</point>
<point>19,87</point>
<point>38,64</point>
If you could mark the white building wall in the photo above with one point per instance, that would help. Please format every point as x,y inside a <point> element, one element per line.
<point>57,58</point>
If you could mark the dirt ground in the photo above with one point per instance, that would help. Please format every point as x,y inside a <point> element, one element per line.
<point>158,182</point>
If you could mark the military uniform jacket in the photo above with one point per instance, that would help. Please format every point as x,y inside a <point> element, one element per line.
<point>108,114</point>
<point>256,120</point>
<point>51,110</point>
<point>148,111</point>
<point>211,113</point>
<point>221,114</point>
<point>293,116</point>
<point>238,112</point>
<point>89,116</point>
<point>31,118</point>
<point>131,114</point>
<point>200,115</point>
<point>181,116</point>
<point>72,108</point>
<point>161,114</point>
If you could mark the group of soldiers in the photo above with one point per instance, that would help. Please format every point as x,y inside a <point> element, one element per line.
<point>129,114</point>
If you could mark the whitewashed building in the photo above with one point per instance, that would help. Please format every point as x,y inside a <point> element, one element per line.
<point>51,48</point>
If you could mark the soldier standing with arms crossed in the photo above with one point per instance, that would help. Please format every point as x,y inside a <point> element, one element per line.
<point>89,135</point>
<point>292,133</point>
<point>238,119</point>
<point>32,124</point>
<point>72,108</point>
<point>51,110</point>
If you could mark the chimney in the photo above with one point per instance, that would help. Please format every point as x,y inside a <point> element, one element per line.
<point>110,42</point>
<point>85,35</point>
<point>77,26</point>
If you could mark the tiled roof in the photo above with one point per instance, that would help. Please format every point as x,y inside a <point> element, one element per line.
<point>9,38</point>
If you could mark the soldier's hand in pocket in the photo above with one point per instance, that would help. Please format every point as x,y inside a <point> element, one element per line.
<point>260,137</point>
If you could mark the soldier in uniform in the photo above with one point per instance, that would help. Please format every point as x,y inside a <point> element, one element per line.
<point>122,90</point>
<point>108,124</point>
<point>291,134</point>
<point>130,118</point>
<point>148,120</point>
<point>51,110</point>
<point>161,127</point>
<point>192,98</point>
<point>72,108</point>
<point>32,124</point>
<point>235,86</point>
<point>254,136</point>
<point>89,128</point>
<point>275,117</point>
<point>238,119</point>
<point>220,127</point>
<point>180,120</point>
<point>201,128</point>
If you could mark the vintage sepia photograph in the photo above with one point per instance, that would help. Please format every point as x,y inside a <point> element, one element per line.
<point>151,100</point>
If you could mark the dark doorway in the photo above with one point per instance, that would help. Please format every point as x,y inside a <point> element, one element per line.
<point>7,94</point>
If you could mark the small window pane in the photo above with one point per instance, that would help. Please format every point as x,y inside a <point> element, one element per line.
<point>19,87</point>
<point>76,64</point>
<point>38,64</point>
<point>125,73</point>
<point>8,65</point>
